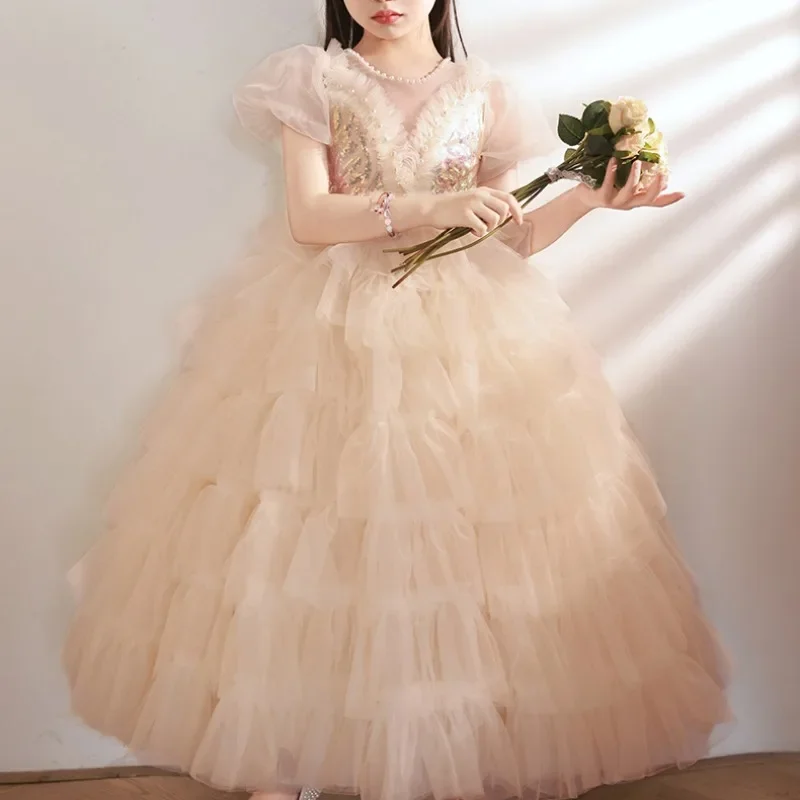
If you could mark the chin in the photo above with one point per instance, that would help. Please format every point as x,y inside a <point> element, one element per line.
<point>386,32</point>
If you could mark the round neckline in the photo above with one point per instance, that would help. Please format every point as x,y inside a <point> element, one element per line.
<point>395,78</point>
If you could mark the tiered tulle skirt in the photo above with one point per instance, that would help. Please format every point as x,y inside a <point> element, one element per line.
<point>397,542</point>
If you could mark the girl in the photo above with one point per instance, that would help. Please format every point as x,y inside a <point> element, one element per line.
<point>395,542</point>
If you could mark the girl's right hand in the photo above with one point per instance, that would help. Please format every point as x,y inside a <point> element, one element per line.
<point>481,210</point>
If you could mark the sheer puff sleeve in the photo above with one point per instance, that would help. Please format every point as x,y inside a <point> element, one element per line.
<point>286,89</point>
<point>516,130</point>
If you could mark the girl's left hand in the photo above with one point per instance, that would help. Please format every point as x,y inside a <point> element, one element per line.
<point>629,196</point>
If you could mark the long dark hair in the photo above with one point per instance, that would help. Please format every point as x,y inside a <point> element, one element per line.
<point>445,27</point>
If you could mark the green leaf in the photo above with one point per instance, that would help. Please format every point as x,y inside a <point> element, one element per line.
<point>652,125</point>
<point>623,171</point>
<point>599,146</point>
<point>597,173</point>
<point>602,130</point>
<point>595,114</point>
<point>570,130</point>
<point>649,156</point>
<point>623,132</point>
<point>570,153</point>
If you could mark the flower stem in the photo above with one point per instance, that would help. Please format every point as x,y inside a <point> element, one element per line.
<point>416,255</point>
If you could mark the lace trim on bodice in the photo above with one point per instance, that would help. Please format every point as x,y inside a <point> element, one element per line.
<point>373,149</point>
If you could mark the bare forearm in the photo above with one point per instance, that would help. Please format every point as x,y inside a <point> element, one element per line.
<point>551,221</point>
<point>319,217</point>
<point>329,219</point>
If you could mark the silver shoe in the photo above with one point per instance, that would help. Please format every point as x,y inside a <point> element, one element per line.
<point>307,793</point>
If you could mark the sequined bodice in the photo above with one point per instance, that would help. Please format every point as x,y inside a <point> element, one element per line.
<point>375,148</point>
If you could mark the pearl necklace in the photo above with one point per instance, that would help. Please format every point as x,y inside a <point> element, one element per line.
<point>385,76</point>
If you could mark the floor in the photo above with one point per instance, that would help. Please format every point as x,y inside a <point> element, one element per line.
<point>752,778</point>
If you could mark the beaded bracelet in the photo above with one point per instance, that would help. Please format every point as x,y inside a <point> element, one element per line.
<point>384,209</point>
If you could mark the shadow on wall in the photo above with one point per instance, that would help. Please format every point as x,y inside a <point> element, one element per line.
<point>549,35</point>
<point>545,33</point>
<point>683,248</point>
<point>711,239</point>
<point>735,176</point>
<point>728,49</point>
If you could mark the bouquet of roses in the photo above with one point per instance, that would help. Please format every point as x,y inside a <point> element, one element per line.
<point>622,130</point>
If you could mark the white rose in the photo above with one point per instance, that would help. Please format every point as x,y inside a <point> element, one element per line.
<point>651,171</point>
<point>632,143</point>
<point>657,144</point>
<point>655,141</point>
<point>628,112</point>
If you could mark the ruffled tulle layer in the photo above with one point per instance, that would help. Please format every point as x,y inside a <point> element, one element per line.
<point>397,542</point>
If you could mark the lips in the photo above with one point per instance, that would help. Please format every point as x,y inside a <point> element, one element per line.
<point>386,17</point>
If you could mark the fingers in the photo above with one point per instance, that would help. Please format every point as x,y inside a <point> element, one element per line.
<point>505,204</point>
<point>646,197</point>
<point>512,207</point>
<point>654,190</point>
<point>655,197</point>
<point>489,215</point>
<point>517,212</point>
<point>668,199</point>
<point>627,192</point>
<point>607,187</point>
<point>632,195</point>
<point>477,224</point>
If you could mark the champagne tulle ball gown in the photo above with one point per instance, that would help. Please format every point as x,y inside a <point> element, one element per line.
<point>395,542</point>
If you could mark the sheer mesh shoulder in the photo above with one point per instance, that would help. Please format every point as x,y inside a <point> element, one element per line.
<point>516,129</point>
<point>286,88</point>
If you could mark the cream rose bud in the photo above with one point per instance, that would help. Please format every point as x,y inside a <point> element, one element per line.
<point>632,143</point>
<point>628,112</point>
